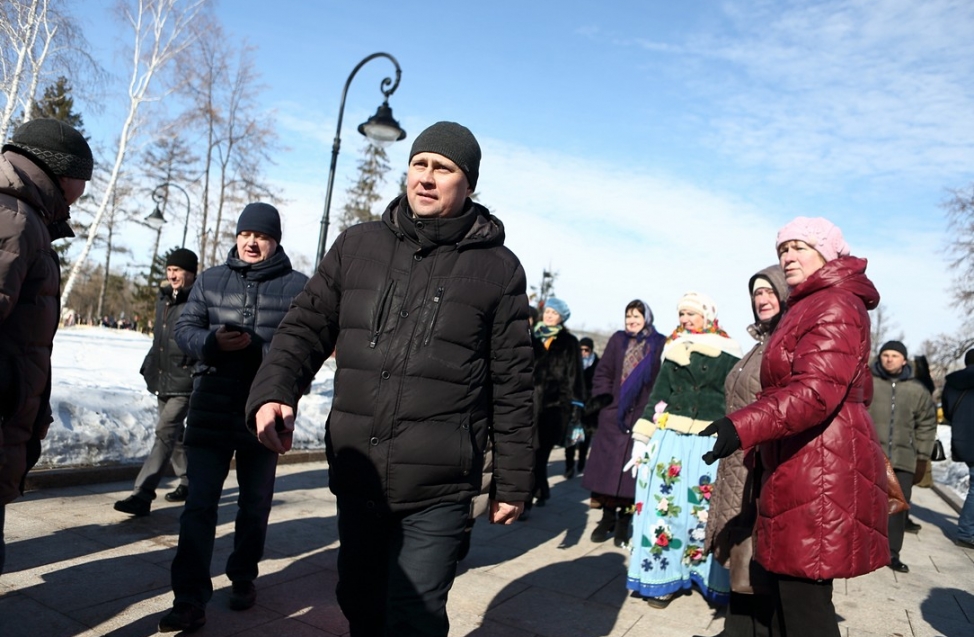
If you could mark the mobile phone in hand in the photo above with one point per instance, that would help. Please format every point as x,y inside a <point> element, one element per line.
<point>233,327</point>
<point>286,437</point>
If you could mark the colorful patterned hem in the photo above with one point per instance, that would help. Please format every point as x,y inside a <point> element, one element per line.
<point>720,598</point>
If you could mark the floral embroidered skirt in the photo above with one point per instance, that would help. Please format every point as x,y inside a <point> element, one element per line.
<point>672,503</point>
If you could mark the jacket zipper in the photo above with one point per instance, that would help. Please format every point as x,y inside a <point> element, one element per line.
<point>380,314</point>
<point>436,309</point>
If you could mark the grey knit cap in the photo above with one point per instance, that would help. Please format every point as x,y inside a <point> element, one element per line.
<point>456,143</point>
<point>56,145</point>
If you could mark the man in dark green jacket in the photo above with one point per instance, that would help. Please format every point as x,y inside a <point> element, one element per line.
<point>906,422</point>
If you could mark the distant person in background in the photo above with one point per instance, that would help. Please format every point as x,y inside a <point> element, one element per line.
<point>620,390</point>
<point>227,325</point>
<point>559,388</point>
<point>958,404</point>
<point>733,505</point>
<point>590,361</point>
<point>168,374</point>
<point>43,170</point>
<point>906,422</point>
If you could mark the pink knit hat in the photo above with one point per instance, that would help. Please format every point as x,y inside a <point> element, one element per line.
<point>819,233</point>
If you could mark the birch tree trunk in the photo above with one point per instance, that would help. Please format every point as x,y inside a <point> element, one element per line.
<point>161,31</point>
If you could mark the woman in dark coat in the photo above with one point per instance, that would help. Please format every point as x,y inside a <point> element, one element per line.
<point>622,383</point>
<point>559,389</point>
<point>822,508</point>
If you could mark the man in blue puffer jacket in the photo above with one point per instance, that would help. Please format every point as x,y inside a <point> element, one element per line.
<point>229,320</point>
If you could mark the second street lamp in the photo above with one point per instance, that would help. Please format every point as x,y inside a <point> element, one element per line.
<point>382,129</point>
<point>164,199</point>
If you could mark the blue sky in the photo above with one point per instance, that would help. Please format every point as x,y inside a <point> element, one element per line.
<point>643,149</point>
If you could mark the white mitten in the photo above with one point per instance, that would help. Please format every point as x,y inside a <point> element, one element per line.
<point>640,450</point>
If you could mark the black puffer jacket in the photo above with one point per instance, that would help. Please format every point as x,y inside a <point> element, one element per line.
<point>958,404</point>
<point>428,320</point>
<point>253,296</point>
<point>167,370</point>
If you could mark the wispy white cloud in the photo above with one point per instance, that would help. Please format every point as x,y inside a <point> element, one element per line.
<point>838,87</point>
<point>615,233</point>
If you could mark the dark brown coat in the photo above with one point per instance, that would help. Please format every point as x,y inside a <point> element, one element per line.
<point>733,505</point>
<point>30,281</point>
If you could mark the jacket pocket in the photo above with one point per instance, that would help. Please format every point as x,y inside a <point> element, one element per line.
<point>381,311</point>
<point>436,302</point>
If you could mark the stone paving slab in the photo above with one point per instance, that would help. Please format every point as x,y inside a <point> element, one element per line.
<point>76,567</point>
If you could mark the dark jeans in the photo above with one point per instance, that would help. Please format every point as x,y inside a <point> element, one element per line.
<point>897,523</point>
<point>395,570</point>
<point>208,468</point>
<point>166,448</point>
<point>551,432</point>
<point>803,608</point>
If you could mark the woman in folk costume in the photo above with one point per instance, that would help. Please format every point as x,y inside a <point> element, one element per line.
<point>673,485</point>
<point>559,388</point>
<point>620,388</point>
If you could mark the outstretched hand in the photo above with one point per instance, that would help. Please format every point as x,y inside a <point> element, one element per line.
<point>727,439</point>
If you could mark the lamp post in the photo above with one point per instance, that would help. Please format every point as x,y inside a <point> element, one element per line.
<point>156,221</point>
<point>164,199</point>
<point>381,128</point>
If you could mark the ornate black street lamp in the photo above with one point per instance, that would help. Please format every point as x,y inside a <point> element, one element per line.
<point>381,129</point>
<point>161,196</point>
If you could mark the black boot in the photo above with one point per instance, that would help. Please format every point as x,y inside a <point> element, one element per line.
<point>605,526</point>
<point>622,529</point>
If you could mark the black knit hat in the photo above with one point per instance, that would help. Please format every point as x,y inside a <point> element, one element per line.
<point>183,258</point>
<point>456,143</point>
<point>585,341</point>
<point>895,346</point>
<point>56,145</point>
<point>260,217</point>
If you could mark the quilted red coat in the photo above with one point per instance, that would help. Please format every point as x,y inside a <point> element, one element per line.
<point>822,506</point>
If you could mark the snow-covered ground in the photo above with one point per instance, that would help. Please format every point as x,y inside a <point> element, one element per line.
<point>103,413</point>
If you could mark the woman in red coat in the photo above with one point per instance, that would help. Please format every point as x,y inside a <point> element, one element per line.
<point>822,505</point>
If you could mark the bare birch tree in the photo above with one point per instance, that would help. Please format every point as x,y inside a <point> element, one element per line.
<point>23,22</point>
<point>224,87</point>
<point>161,30</point>
<point>38,41</point>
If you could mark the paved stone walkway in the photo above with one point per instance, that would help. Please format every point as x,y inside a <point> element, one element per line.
<point>77,567</point>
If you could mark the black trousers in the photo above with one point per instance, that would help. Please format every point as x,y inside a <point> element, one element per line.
<point>803,607</point>
<point>207,469</point>
<point>551,431</point>
<point>897,523</point>
<point>582,448</point>
<point>395,571</point>
<point>748,616</point>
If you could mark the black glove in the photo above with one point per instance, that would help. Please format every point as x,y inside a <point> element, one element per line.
<point>727,440</point>
<point>595,404</point>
